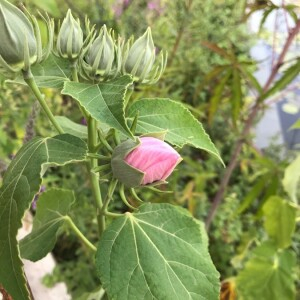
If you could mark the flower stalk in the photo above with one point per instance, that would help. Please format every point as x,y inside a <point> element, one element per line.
<point>29,79</point>
<point>93,164</point>
<point>80,234</point>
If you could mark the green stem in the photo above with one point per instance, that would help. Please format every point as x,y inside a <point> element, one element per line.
<point>123,198</point>
<point>74,71</point>
<point>93,163</point>
<point>29,79</point>
<point>111,190</point>
<point>104,142</point>
<point>80,234</point>
<point>113,215</point>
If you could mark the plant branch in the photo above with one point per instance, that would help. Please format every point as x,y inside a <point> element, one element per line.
<point>248,124</point>
<point>93,163</point>
<point>80,234</point>
<point>29,79</point>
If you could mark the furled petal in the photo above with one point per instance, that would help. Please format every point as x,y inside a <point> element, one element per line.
<point>155,158</point>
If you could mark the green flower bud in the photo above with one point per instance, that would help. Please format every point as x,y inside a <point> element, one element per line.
<point>70,38</point>
<point>21,44</point>
<point>100,56</point>
<point>16,35</point>
<point>139,60</point>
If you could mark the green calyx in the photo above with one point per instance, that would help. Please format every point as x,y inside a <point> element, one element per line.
<point>126,174</point>
<point>21,44</point>
<point>140,59</point>
<point>70,38</point>
<point>99,60</point>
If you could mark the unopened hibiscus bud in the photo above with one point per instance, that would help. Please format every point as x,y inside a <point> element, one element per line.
<point>70,38</point>
<point>149,160</point>
<point>100,56</point>
<point>20,38</point>
<point>139,60</point>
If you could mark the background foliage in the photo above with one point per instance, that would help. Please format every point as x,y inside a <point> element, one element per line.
<point>254,233</point>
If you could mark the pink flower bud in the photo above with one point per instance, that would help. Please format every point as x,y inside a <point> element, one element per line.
<point>155,158</point>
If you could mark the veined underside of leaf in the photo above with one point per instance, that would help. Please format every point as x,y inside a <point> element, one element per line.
<point>21,182</point>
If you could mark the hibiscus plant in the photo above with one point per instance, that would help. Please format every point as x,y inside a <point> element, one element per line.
<point>152,251</point>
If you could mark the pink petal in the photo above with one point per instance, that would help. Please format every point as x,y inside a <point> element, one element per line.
<point>155,158</point>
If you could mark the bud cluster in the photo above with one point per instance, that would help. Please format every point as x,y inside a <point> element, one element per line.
<point>99,56</point>
<point>107,57</point>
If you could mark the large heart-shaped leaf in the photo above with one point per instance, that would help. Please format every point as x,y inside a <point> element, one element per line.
<point>156,115</point>
<point>21,182</point>
<point>156,253</point>
<point>104,101</point>
<point>268,275</point>
<point>52,207</point>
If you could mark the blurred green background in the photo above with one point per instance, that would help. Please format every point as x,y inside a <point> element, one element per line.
<point>211,71</point>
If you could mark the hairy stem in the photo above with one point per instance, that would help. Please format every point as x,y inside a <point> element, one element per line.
<point>80,234</point>
<point>248,125</point>
<point>93,163</point>
<point>29,79</point>
<point>74,71</point>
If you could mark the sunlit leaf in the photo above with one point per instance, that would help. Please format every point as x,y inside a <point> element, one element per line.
<point>296,125</point>
<point>268,275</point>
<point>280,220</point>
<point>291,179</point>
<point>156,253</point>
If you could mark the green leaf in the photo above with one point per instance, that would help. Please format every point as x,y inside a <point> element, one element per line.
<point>217,94</point>
<point>296,125</point>
<point>251,196</point>
<point>288,76</point>
<point>292,10</point>
<point>280,220</point>
<point>156,253</point>
<point>104,101</point>
<point>52,73</point>
<point>265,16</point>
<point>236,99</point>
<point>52,206</point>
<point>71,127</point>
<point>20,183</point>
<point>156,115</point>
<point>249,77</point>
<point>268,275</point>
<point>291,179</point>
